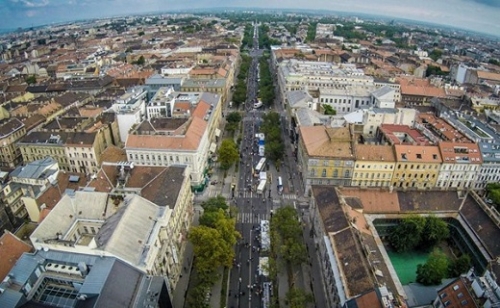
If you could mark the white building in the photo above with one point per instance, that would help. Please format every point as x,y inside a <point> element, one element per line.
<point>346,99</point>
<point>184,140</point>
<point>176,71</point>
<point>128,227</point>
<point>461,164</point>
<point>130,109</point>
<point>295,75</point>
<point>374,117</point>
<point>163,104</point>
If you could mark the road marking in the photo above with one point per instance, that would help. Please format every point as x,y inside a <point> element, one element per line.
<point>252,218</point>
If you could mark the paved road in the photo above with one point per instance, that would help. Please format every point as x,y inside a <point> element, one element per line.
<point>245,281</point>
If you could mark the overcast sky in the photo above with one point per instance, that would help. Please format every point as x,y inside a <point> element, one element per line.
<point>478,15</point>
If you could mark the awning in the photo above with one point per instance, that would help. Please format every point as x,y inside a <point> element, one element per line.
<point>217,132</point>
<point>213,147</point>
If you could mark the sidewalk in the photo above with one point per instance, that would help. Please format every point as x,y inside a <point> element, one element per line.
<point>179,296</point>
<point>216,289</point>
<point>282,285</point>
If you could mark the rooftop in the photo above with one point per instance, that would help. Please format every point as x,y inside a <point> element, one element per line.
<point>11,249</point>
<point>320,141</point>
<point>402,134</point>
<point>10,126</point>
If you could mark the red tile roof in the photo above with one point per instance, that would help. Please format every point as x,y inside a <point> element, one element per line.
<point>11,249</point>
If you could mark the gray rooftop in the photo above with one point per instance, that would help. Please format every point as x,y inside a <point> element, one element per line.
<point>108,283</point>
<point>202,82</point>
<point>39,169</point>
<point>380,92</point>
<point>298,99</point>
<point>126,229</point>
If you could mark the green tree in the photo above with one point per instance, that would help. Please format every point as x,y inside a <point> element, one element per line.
<point>459,266</point>
<point>494,61</point>
<point>233,120</point>
<point>294,251</point>
<point>274,150</point>
<point>214,204</point>
<point>329,109</point>
<point>493,190</point>
<point>435,54</point>
<point>298,298</point>
<point>141,33</point>
<point>140,61</point>
<point>434,270</point>
<point>234,117</point>
<point>210,250</point>
<point>434,71</point>
<point>228,154</point>
<point>408,234</point>
<point>30,79</point>
<point>435,231</point>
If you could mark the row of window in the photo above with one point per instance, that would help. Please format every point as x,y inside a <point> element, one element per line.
<point>374,166</point>
<point>159,157</point>
<point>335,173</point>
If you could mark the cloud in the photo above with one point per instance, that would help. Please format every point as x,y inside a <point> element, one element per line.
<point>29,3</point>
<point>35,3</point>
<point>479,15</point>
<point>492,3</point>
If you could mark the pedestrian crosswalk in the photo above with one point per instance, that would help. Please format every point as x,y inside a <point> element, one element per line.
<point>289,196</point>
<point>252,218</point>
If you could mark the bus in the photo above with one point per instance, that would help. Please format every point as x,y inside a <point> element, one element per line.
<point>260,165</point>
<point>280,185</point>
<point>262,187</point>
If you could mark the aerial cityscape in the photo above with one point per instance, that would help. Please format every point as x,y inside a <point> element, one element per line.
<point>200,155</point>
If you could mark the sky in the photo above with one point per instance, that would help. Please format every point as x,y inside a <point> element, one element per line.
<point>477,15</point>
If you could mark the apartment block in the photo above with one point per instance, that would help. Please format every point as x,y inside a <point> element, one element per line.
<point>130,109</point>
<point>326,155</point>
<point>128,227</point>
<point>11,131</point>
<point>374,165</point>
<point>49,278</point>
<point>74,152</point>
<point>188,139</point>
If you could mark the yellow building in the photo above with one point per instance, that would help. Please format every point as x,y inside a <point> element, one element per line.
<point>326,156</point>
<point>417,166</point>
<point>10,132</point>
<point>374,165</point>
<point>217,86</point>
<point>75,152</point>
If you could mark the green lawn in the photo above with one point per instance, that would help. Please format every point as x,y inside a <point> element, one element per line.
<point>406,263</point>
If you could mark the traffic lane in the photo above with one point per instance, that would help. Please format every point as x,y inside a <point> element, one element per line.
<point>238,283</point>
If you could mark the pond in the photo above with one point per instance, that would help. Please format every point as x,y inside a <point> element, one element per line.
<point>405,264</point>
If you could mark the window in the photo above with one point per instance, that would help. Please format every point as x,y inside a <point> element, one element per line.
<point>335,173</point>
<point>419,156</point>
<point>323,173</point>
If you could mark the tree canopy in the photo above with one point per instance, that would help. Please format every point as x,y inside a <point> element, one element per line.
<point>233,120</point>
<point>271,127</point>
<point>408,234</point>
<point>434,270</point>
<point>291,247</point>
<point>416,231</point>
<point>298,298</point>
<point>228,154</point>
<point>213,240</point>
<point>329,109</point>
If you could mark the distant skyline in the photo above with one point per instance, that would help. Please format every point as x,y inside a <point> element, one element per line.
<point>475,15</point>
